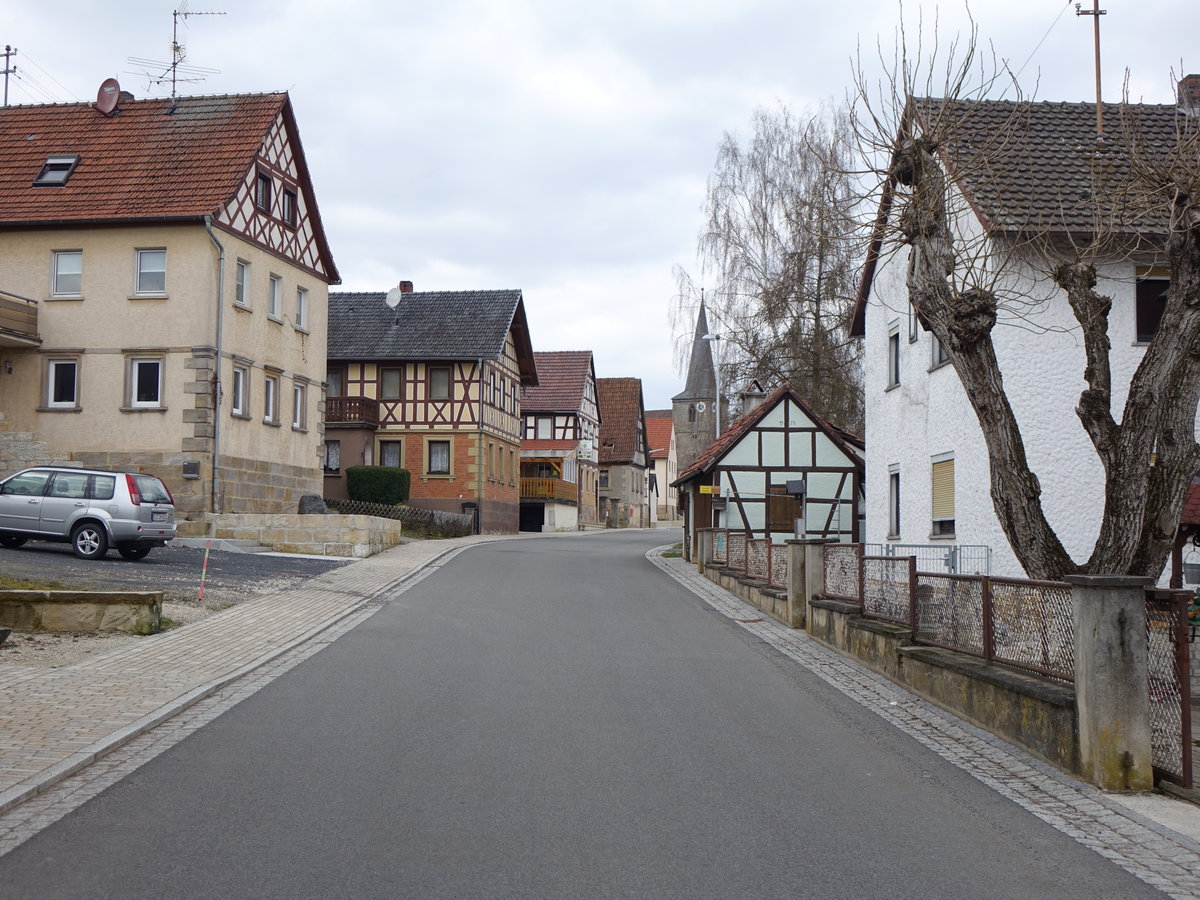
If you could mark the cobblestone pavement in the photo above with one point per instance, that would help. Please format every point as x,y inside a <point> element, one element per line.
<point>1158,855</point>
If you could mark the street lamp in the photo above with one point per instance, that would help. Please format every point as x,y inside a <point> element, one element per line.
<point>717,371</point>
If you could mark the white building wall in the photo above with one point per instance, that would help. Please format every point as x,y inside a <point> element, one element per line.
<point>1041,355</point>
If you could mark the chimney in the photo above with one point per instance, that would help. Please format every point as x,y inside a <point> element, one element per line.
<point>1189,94</point>
<point>752,396</point>
<point>406,287</point>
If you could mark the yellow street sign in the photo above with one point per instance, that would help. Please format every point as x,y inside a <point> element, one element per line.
<point>709,489</point>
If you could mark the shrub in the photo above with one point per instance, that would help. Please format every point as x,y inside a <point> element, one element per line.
<point>378,484</point>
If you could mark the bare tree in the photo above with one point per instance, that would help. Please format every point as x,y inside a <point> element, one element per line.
<point>778,259</point>
<point>1141,203</point>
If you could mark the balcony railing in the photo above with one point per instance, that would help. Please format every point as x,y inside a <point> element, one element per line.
<point>549,489</point>
<point>351,411</point>
<point>18,322</point>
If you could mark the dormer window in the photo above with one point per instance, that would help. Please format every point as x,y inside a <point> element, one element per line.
<point>57,170</point>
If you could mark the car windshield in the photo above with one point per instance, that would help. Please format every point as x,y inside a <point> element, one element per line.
<point>151,489</point>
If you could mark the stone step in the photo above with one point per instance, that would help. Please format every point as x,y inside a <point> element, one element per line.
<point>228,544</point>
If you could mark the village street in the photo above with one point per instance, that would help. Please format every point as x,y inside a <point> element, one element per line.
<point>562,717</point>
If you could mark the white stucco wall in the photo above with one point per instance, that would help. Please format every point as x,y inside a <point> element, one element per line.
<point>1041,356</point>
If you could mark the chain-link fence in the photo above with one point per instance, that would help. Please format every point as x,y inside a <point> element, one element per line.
<point>779,565</point>
<point>843,572</point>
<point>1170,687</point>
<point>428,521</point>
<point>950,559</point>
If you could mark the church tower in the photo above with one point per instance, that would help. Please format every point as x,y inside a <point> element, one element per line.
<point>694,409</point>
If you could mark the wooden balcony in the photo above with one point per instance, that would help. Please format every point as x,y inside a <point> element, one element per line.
<point>549,489</point>
<point>18,322</point>
<point>352,411</point>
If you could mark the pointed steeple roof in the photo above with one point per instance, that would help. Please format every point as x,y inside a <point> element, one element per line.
<point>701,381</point>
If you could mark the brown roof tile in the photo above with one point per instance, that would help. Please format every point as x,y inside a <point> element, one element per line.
<point>140,163</point>
<point>658,434</point>
<point>622,418</point>
<point>562,375</point>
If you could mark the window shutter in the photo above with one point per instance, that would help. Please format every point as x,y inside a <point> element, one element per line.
<point>943,489</point>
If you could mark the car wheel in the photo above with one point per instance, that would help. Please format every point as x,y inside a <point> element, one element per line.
<point>134,551</point>
<point>89,541</point>
<point>12,541</point>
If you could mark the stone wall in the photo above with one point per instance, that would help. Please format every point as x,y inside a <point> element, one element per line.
<point>137,612</point>
<point>319,535</point>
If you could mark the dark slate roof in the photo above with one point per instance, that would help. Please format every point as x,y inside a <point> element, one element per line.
<point>1035,165</point>
<point>562,375</point>
<point>447,325</point>
<point>622,416</point>
<point>701,374</point>
<point>849,444</point>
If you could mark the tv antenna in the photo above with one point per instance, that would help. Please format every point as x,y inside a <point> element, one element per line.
<point>176,71</point>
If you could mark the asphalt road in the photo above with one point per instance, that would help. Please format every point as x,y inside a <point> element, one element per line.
<point>552,718</point>
<point>175,570</point>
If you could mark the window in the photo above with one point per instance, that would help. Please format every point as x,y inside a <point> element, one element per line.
<point>389,384</point>
<point>241,284</point>
<point>299,406</point>
<point>301,308</point>
<point>271,399</point>
<point>335,383</point>
<point>604,478</point>
<point>439,383</point>
<point>145,383</point>
<point>274,287</point>
<point>943,496</point>
<point>62,383</point>
<point>491,460</point>
<point>914,322</point>
<point>1151,296</point>
<point>289,206</point>
<point>893,503</point>
<point>939,356</point>
<point>391,453</point>
<point>151,272</point>
<point>893,359</point>
<point>545,427</point>
<point>67,279</point>
<point>27,484</point>
<point>241,381</point>
<point>439,458</point>
<point>262,192</point>
<point>56,170</point>
<point>333,456</point>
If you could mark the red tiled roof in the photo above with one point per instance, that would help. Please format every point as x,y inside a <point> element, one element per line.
<point>715,451</point>
<point>142,163</point>
<point>562,375</point>
<point>622,418</point>
<point>1191,506</point>
<point>658,435</point>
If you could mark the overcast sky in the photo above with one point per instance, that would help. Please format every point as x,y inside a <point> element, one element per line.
<point>555,146</point>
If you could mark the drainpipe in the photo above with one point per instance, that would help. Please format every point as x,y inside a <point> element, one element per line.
<point>479,456</point>
<point>214,499</point>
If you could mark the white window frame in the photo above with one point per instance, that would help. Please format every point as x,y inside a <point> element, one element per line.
<point>241,284</point>
<point>894,522</point>
<point>893,355</point>
<point>56,274</point>
<point>274,294</point>
<point>299,406</point>
<point>239,404</point>
<point>135,364</point>
<point>51,366</point>
<point>301,309</point>
<point>141,271</point>
<point>271,398</point>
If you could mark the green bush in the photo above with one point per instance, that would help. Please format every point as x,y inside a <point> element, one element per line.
<point>378,484</point>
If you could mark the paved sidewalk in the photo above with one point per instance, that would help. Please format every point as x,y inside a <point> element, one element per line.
<point>53,722</point>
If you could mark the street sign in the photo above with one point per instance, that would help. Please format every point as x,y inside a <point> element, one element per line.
<point>709,489</point>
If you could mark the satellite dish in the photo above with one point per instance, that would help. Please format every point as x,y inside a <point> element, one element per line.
<point>108,95</point>
<point>393,297</point>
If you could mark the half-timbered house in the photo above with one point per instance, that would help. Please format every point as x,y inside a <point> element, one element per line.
<point>624,482</point>
<point>431,384</point>
<point>170,269</point>
<point>778,471</point>
<point>560,474</point>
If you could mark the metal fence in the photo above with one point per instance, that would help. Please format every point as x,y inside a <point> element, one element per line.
<point>1170,685</point>
<point>735,554</point>
<point>720,546</point>
<point>843,572</point>
<point>758,558</point>
<point>952,559</point>
<point>778,577</point>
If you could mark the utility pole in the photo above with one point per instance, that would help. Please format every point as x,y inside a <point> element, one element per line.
<point>1095,12</point>
<point>9,52</point>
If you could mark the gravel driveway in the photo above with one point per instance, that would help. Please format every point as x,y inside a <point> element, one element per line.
<point>230,579</point>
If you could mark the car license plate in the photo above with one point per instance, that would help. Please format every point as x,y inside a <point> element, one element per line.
<point>158,517</point>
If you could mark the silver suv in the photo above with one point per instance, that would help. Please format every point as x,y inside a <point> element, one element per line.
<point>92,508</point>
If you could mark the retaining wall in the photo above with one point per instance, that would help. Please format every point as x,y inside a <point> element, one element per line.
<point>137,612</point>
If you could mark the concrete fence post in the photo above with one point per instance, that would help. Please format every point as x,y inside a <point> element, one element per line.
<point>1112,687</point>
<point>797,599</point>
<point>704,555</point>
<point>814,571</point>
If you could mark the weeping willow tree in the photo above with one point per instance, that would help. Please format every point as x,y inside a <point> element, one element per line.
<point>778,260</point>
